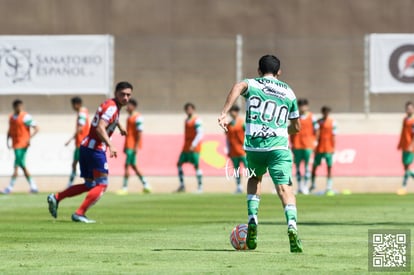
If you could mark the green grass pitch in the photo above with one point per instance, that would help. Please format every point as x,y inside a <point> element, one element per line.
<point>175,234</point>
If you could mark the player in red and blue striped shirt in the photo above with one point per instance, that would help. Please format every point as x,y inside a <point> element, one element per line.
<point>93,162</point>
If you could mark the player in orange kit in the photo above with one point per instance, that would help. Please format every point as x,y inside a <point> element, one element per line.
<point>235,141</point>
<point>20,124</point>
<point>325,148</point>
<point>192,146</point>
<point>133,142</point>
<point>303,144</point>
<point>82,130</point>
<point>406,145</point>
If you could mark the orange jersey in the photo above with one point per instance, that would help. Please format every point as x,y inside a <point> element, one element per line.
<point>192,130</point>
<point>407,132</point>
<point>327,132</point>
<point>235,138</point>
<point>305,139</point>
<point>83,121</point>
<point>134,125</point>
<point>19,129</point>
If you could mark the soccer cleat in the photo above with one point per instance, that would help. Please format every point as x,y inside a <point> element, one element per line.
<point>295,242</point>
<point>6,191</point>
<point>313,187</point>
<point>146,190</point>
<point>80,218</point>
<point>402,192</point>
<point>180,189</point>
<point>330,193</point>
<point>122,192</point>
<point>251,238</point>
<point>238,191</point>
<point>34,191</point>
<point>53,205</point>
<point>199,190</point>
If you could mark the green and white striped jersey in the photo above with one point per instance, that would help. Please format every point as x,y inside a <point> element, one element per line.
<point>270,103</point>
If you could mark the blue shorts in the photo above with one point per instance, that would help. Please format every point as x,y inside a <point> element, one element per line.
<point>92,163</point>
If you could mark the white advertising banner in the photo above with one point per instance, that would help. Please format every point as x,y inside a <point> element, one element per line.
<point>56,64</point>
<point>391,63</point>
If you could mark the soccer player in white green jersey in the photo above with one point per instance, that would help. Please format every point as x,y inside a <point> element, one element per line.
<point>270,105</point>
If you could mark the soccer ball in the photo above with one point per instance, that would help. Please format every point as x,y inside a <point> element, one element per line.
<point>238,237</point>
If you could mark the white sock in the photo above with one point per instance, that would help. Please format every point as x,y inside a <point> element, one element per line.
<point>253,217</point>
<point>292,223</point>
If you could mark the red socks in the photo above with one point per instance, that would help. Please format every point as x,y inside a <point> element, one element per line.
<point>74,190</point>
<point>93,196</point>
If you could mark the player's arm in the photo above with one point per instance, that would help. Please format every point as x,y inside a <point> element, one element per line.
<point>35,130</point>
<point>234,93</point>
<point>139,128</point>
<point>294,126</point>
<point>121,129</point>
<point>227,147</point>
<point>103,135</point>
<point>77,132</point>
<point>197,138</point>
<point>411,146</point>
<point>8,139</point>
<point>138,137</point>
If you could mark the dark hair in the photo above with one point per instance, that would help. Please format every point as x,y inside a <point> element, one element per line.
<point>133,102</point>
<point>408,103</point>
<point>326,109</point>
<point>189,104</point>
<point>76,100</point>
<point>269,64</point>
<point>123,85</point>
<point>303,102</point>
<point>17,102</point>
<point>235,108</point>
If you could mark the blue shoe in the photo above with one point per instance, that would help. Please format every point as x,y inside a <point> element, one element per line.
<point>6,191</point>
<point>80,218</point>
<point>53,205</point>
<point>251,239</point>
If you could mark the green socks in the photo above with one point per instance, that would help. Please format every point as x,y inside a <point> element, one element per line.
<point>199,178</point>
<point>181,175</point>
<point>125,183</point>
<point>291,215</point>
<point>253,202</point>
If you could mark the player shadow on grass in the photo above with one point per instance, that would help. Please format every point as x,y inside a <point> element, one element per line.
<point>192,249</point>
<point>351,223</point>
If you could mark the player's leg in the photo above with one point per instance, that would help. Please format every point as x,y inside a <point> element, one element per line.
<point>329,163</point>
<point>140,175</point>
<point>124,189</point>
<point>297,157</point>
<point>257,167</point>
<point>13,178</point>
<point>96,188</point>
<point>74,164</point>
<point>128,163</point>
<point>280,169</point>
<point>182,159</point>
<point>306,159</point>
<point>407,159</point>
<point>22,164</point>
<point>316,162</point>
<point>236,166</point>
<point>74,190</point>
<point>246,173</point>
<point>195,160</point>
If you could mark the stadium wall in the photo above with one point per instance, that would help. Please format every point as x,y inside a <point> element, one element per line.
<point>184,50</point>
